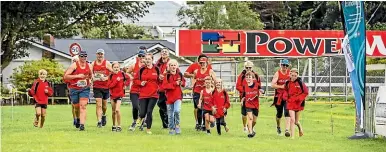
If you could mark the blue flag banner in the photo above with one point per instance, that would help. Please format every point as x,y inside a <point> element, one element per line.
<point>355,29</point>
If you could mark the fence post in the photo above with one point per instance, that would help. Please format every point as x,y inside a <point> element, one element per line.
<point>266,79</point>
<point>329,75</point>
<point>345,85</point>
<point>315,78</point>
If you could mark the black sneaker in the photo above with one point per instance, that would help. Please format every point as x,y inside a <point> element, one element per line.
<point>287,134</point>
<point>81,127</point>
<point>212,124</point>
<point>119,129</point>
<point>278,131</point>
<point>104,120</point>
<point>249,135</point>
<point>77,125</point>
<point>253,134</point>
<point>99,125</point>
<point>132,127</point>
<point>113,128</point>
<point>203,128</point>
<point>197,127</point>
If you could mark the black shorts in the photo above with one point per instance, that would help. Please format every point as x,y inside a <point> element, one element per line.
<point>281,108</point>
<point>208,111</point>
<point>243,110</point>
<point>116,99</point>
<point>44,106</point>
<point>101,93</point>
<point>196,97</point>
<point>254,111</point>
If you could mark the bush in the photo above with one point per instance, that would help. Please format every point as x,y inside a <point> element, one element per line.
<point>24,75</point>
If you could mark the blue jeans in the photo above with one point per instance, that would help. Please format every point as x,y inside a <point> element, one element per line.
<point>174,114</point>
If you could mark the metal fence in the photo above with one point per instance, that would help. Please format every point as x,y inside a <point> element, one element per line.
<point>326,77</point>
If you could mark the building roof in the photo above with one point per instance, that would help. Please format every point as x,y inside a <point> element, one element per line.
<point>115,49</point>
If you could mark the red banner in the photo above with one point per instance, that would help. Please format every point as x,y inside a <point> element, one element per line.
<point>271,43</point>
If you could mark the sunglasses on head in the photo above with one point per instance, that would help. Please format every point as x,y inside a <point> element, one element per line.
<point>83,56</point>
<point>285,65</point>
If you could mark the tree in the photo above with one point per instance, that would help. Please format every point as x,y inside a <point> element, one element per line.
<point>129,31</point>
<point>24,75</point>
<point>32,19</point>
<point>220,15</point>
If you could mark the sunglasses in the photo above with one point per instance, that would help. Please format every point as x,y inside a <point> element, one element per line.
<point>285,65</point>
<point>100,53</point>
<point>141,56</point>
<point>248,67</point>
<point>83,56</point>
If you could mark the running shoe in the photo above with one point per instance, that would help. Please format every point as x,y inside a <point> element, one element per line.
<point>113,128</point>
<point>171,132</point>
<point>178,131</point>
<point>74,122</point>
<point>104,121</point>
<point>197,127</point>
<point>132,127</point>
<point>278,131</point>
<point>119,129</point>
<point>149,132</point>
<point>245,130</point>
<point>212,124</point>
<point>287,134</point>
<point>81,127</point>
<point>99,124</point>
<point>77,125</point>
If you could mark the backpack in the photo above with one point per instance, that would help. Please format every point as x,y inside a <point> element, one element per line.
<point>168,75</point>
<point>123,75</point>
<point>143,68</point>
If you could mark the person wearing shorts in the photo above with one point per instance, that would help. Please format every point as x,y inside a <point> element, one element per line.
<point>40,91</point>
<point>79,75</point>
<point>206,104</point>
<point>297,93</point>
<point>101,71</point>
<point>278,81</point>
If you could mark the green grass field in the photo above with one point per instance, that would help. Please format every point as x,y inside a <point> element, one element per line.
<point>18,134</point>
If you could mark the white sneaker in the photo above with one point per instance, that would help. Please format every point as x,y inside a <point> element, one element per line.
<point>245,130</point>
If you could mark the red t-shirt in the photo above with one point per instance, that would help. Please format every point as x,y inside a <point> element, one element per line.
<point>196,66</point>
<point>80,83</point>
<point>135,87</point>
<point>99,71</point>
<point>207,100</point>
<point>199,85</point>
<point>251,98</point>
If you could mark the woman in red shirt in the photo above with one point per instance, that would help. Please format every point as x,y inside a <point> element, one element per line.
<point>221,103</point>
<point>117,82</point>
<point>206,104</point>
<point>172,84</point>
<point>40,91</point>
<point>251,101</point>
<point>79,74</point>
<point>148,79</point>
<point>297,93</point>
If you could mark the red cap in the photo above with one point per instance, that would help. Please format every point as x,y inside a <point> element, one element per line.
<point>203,59</point>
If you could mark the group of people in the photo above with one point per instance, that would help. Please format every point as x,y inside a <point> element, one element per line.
<point>161,84</point>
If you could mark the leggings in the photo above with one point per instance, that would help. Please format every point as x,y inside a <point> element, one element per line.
<point>281,108</point>
<point>147,105</point>
<point>135,105</point>
<point>220,121</point>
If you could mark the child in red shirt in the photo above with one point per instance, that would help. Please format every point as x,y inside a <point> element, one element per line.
<point>172,84</point>
<point>40,91</point>
<point>117,82</point>
<point>206,104</point>
<point>221,104</point>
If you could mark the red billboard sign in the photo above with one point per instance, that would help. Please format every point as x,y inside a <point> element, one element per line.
<point>271,43</point>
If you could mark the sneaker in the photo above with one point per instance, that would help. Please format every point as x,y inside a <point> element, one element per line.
<point>132,127</point>
<point>99,124</point>
<point>81,127</point>
<point>104,120</point>
<point>119,129</point>
<point>278,131</point>
<point>287,134</point>
<point>203,128</point>
<point>245,130</point>
<point>149,132</point>
<point>113,128</point>
<point>197,127</point>
<point>212,124</point>
<point>250,136</point>
<point>178,131</point>
<point>77,125</point>
<point>171,132</point>
<point>74,122</point>
<point>144,124</point>
<point>253,134</point>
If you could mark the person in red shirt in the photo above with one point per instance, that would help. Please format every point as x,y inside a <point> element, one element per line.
<point>132,70</point>
<point>206,103</point>
<point>251,101</point>
<point>189,73</point>
<point>173,83</point>
<point>40,91</point>
<point>221,104</point>
<point>101,70</point>
<point>148,78</point>
<point>75,114</point>
<point>199,85</point>
<point>278,81</point>
<point>79,75</point>
<point>297,93</point>
<point>162,64</point>
<point>241,82</point>
<point>117,82</point>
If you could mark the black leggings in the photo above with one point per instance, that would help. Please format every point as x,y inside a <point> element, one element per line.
<point>147,105</point>
<point>219,122</point>
<point>280,108</point>
<point>135,105</point>
<point>163,109</point>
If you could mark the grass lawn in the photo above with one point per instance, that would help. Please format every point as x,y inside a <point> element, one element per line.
<point>18,134</point>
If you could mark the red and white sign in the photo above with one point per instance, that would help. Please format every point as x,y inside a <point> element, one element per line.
<point>75,49</point>
<point>271,43</point>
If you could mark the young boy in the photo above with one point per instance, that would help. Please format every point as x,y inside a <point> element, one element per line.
<point>206,100</point>
<point>251,100</point>
<point>172,84</point>
<point>221,104</point>
<point>40,91</point>
<point>117,82</point>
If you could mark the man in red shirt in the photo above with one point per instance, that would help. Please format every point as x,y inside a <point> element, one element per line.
<point>162,65</point>
<point>40,91</point>
<point>189,73</point>
<point>101,69</point>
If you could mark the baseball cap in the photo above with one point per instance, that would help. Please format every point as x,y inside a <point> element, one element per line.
<point>141,52</point>
<point>82,53</point>
<point>203,60</point>
<point>100,51</point>
<point>284,61</point>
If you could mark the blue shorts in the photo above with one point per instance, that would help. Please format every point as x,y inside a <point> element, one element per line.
<point>75,94</point>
